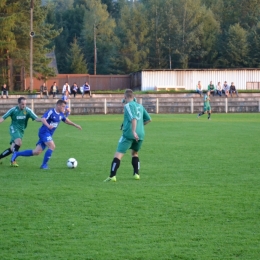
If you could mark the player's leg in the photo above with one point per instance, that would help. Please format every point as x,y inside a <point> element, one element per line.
<point>48,154</point>
<point>5,153</point>
<point>115,164</point>
<point>9,150</point>
<point>123,145</point>
<point>16,143</point>
<point>136,146</point>
<point>201,114</point>
<point>209,113</point>
<point>27,153</point>
<point>135,164</point>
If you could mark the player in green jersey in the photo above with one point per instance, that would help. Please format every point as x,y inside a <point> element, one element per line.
<point>135,117</point>
<point>20,115</point>
<point>207,107</point>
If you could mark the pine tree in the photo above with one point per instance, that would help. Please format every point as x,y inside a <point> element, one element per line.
<point>97,37</point>
<point>75,59</point>
<point>235,48</point>
<point>17,32</point>
<point>254,46</point>
<point>7,38</point>
<point>133,31</point>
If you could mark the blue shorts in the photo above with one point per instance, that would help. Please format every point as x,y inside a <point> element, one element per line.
<point>44,138</point>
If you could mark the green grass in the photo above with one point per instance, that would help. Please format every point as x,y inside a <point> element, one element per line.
<point>198,197</point>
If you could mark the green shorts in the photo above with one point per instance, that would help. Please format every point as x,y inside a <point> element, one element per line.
<point>207,108</point>
<point>124,144</point>
<point>15,134</point>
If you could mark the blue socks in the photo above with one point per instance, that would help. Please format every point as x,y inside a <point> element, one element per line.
<point>47,156</point>
<point>25,153</point>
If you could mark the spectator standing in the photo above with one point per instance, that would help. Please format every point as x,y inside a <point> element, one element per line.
<point>4,91</point>
<point>74,89</point>
<point>219,89</point>
<point>211,88</point>
<point>199,88</point>
<point>65,88</point>
<point>233,89</point>
<point>54,89</point>
<point>86,89</point>
<point>225,89</point>
<point>44,90</point>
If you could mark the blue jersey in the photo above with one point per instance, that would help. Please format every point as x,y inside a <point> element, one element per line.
<point>53,118</point>
<point>65,98</point>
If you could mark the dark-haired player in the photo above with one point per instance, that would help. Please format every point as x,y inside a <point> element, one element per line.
<point>51,120</point>
<point>20,115</point>
<point>135,117</point>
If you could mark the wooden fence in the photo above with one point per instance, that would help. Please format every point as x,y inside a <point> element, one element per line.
<point>97,82</point>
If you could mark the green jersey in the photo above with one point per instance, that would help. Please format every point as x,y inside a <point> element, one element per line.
<point>19,117</point>
<point>133,110</point>
<point>207,106</point>
<point>206,100</point>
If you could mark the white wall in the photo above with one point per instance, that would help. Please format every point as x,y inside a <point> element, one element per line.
<point>189,78</point>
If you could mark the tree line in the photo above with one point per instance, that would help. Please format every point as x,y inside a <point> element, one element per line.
<point>120,37</point>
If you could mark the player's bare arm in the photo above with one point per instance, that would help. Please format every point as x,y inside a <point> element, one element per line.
<point>1,120</point>
<point>134,129</point>
<point>73,124</point>
<point>43,120</point>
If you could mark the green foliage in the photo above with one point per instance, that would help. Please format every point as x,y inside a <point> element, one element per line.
<point>98,27</point>
<point>7,37</point>
<point>236,48</point>
<point>254,46</point>
<point>15,18</point>
<point>128,36</point>
<point>132,30</point>
<point>197,197</point>
<point>75,59</point>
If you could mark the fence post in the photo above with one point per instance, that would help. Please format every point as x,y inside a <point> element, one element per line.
<point>69,105</point>
<point>141,101</point>
<point>226,105</point>
<point>191,105</point>
<point>105,106</point>
<point>32,105</point>
<point>157,105</point>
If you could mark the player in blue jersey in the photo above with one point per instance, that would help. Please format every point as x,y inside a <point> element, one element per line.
<point>52,117</point>
<point>65,97</point>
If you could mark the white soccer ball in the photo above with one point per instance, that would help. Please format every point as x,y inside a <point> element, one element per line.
<point>72,163</point>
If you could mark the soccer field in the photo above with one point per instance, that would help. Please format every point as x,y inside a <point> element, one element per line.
<point>198,197</point>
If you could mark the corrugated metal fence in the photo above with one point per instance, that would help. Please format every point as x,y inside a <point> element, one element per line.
<point>188,79</point>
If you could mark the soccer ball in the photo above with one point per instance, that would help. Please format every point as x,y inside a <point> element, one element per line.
<point>72,163</point>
